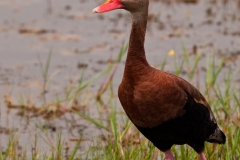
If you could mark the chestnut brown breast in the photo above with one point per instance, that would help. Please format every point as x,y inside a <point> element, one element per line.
<point>152,98</point>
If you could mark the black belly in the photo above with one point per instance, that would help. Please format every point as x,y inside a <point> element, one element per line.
<point>193,128</point>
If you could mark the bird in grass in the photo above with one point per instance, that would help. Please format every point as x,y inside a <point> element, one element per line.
<point>165,108</point>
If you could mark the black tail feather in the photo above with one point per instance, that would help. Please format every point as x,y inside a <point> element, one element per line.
<point>217,137</point>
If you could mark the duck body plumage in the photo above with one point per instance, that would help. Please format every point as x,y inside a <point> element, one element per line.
<point>168,110</point>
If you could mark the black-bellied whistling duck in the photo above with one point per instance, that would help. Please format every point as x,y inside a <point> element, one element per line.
<point>165,108</point>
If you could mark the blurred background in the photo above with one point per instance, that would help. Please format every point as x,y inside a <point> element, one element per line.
<point>60,65</point>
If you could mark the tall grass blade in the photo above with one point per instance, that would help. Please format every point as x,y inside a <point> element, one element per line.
<point>98,124</point>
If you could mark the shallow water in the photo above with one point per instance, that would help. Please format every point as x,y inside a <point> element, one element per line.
<point>75,36</point>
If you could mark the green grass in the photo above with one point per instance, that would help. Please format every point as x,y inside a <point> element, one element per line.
<point>119,139</point>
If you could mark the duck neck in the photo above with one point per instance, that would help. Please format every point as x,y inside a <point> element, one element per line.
<point>136,49</point>
<point>136,58</point>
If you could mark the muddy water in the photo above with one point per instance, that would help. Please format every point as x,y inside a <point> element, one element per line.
<point>31,29</point>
